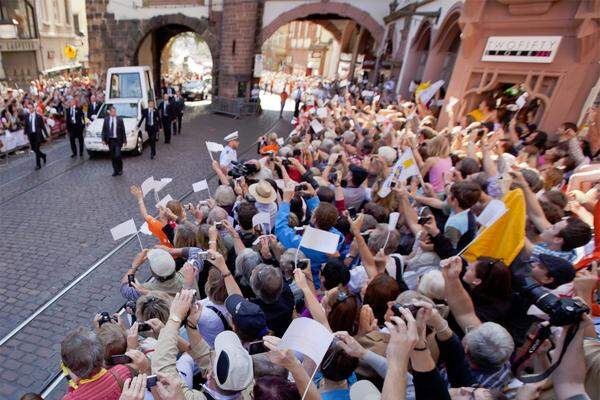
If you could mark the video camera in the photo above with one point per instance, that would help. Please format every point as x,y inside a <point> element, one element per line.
<point>240,169</point>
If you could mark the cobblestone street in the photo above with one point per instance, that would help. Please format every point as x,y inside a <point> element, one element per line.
<point>56,224</point>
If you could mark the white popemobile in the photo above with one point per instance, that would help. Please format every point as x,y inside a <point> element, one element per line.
<point>130,111</point>
<point>128,89</point>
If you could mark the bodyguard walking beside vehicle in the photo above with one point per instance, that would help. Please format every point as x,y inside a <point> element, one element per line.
<point>75,118</point>
<point>150,115</point>
<point>36,131</point>
<point>166,116</point>
<point>113,135</point>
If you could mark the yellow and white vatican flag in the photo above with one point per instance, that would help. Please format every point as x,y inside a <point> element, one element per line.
<point>504,238</point>
<point>405,167</point>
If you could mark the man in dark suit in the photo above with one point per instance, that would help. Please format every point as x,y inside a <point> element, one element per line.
<point>35,129</point>
<point>150,115</point>
<point>93,107</point>
<point>179,106</point>
<point>75,119</point>
<point>113,135</point>
<point>166,116</point>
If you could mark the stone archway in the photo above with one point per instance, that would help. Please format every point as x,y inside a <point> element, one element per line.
<point>417,56</point>
<point>444,47</point>
<point>169,26</point>
<point>323,8</point>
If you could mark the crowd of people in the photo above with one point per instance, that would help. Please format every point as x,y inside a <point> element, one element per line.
<point>415,309</point>
<point>44,111</point>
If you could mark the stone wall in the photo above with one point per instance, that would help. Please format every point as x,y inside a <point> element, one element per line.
<point>115,43</point>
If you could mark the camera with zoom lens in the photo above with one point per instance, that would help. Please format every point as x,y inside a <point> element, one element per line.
<point>562,311</point>
<point>239,169</point>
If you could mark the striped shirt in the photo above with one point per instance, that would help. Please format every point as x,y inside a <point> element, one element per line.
<point>108,387</point>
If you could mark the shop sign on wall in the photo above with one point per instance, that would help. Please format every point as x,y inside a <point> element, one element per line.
<point>526,49</point>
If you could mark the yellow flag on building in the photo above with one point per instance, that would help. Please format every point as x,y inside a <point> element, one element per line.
<point>505,238</point>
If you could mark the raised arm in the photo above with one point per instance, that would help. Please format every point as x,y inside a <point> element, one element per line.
<point>224,179</point>
<point>461,304</point>
<point>310,300</point>
<point>534,209</point>
<point>136,191</point>
<point>367,258</point>
<point>216,259</point>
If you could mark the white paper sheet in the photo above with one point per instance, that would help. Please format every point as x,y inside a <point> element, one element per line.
<point>163,202</point>
<point>147,186</point>
<point>212,146</point>
<point>125,229</point>
<point>319,240</point>
<point>199,186</point>
<point>308,337</point>
<point>322,112</point>
<point>280,141</point>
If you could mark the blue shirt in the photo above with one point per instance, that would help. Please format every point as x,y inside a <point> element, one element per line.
<point>544,248</point>
<point>291,240</point>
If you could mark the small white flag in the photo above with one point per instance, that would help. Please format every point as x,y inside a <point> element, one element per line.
<point>199,186</point>
<point>522,100</point>
<point>280,141</point>
<point>428,93</point>
<point>261,218</point>
<point>319,240</point>
<point>163,202</point>
<point>393,221</point>
<point>147,186</point>
<point>216,147</point>
<point>159,185</point>
<point>145,229</point>
<point>405,167</point>
<point>451,103</point>
<point>316,125</point>
<point>125,229</point>
<point>313,345</point>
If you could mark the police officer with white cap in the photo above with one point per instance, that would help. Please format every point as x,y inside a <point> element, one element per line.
<point>229,152</point>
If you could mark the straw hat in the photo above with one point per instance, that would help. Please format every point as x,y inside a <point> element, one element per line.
<point>263,192</point>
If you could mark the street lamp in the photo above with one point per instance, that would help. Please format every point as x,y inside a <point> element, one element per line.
<point>8,28</point>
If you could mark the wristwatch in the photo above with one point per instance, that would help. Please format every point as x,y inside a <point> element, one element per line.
<point>175,318</point>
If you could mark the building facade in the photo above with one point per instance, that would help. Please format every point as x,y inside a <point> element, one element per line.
<point>34,36</point>
<point>457,41</point>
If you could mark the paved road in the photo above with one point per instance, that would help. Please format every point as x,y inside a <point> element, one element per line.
<point>56,223</point>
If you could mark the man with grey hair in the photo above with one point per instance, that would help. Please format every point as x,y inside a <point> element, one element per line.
<point>489,347</point>
<point>83,357</point>
<point>245,262</point>
<point>287,263</point>
<point>482,359</point>
<point>273,296</point>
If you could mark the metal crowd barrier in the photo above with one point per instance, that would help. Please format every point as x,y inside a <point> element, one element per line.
<point>235,107</point>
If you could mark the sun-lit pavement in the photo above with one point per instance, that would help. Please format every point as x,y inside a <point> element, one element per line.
<point>56,225</point>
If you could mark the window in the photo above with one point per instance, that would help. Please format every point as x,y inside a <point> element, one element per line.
<point>126,85</point>
<point>67,12</point>
<point>21,12</point>
<point>125,110</point>
<point>76,24</point>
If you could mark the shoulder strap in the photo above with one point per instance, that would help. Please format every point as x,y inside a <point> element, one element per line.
<point>221,316</point>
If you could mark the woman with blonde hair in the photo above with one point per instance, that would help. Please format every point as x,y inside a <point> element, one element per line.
<point>437,163</point>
